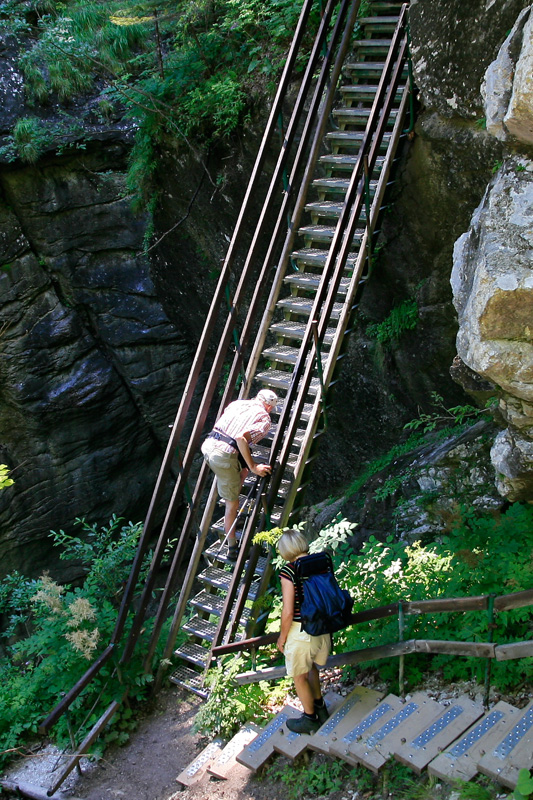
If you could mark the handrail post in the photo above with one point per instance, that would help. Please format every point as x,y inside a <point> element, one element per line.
<point>488,663</point>
<point>367,213</point>
<point>411,82</point>
<point>401,667</point>
<point>319,369</point>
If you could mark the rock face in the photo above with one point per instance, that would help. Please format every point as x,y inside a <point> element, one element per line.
<point>452,44</point>
<point>90,366</point>
<point>492,277</point>
<point>492,281</point>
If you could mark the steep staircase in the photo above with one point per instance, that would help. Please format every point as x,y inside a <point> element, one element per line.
<point>322,270</point>
<point>280,320</point>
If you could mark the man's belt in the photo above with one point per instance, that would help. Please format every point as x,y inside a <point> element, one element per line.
<point>223,437</point>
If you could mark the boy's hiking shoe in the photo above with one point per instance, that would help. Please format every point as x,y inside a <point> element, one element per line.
<point>303,724</point>
<point>322,713</point>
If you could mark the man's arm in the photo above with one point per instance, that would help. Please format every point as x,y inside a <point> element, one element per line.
<point>287,611</point>
<point>244,448</point>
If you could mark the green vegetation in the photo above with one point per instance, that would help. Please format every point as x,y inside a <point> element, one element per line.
<point>484,553</point>
<point>5,480</point>
<point>52,633</point>
<point>456,415</point>
<point>524,786</point>
<point>402,318</point>
<point>229,705</point>
<point>186,74</point>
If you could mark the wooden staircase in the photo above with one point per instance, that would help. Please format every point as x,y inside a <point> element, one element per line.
<point>454,739</point>
<point>302,333</point>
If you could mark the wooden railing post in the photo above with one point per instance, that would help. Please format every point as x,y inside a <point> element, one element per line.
<point>488,663</point>
<point>401,666</point>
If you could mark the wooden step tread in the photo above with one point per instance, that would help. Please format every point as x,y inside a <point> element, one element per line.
<point>460,759</point>
<point>296,330</point>
<point>189,679</point>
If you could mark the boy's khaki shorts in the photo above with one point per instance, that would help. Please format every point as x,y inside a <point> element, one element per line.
<point>302,650</point>
<point>227,471</point>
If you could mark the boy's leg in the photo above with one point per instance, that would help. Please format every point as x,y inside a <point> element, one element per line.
<point>305,692</point>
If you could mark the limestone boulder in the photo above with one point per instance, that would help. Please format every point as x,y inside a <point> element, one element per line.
<point>497,85</point>
<point>492,282</point>
<point>519,117</point>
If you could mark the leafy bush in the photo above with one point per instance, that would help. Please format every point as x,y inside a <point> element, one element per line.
<point>53,632</point>
<point>484,554</point>
<point>5,480</point>
<point>403,317</point>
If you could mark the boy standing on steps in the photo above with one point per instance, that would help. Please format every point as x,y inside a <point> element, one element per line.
<point>227,452</point>
<point>301,650</point>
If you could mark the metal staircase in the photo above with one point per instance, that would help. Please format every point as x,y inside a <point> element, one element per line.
<point>279,320</point>
<point>321,272</point>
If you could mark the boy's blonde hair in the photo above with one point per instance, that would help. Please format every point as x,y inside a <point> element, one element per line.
<point>292,544</point>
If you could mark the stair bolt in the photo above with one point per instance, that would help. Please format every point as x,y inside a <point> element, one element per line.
<point>488,663</point>
<point>318,356</point>
<point>401,666</point>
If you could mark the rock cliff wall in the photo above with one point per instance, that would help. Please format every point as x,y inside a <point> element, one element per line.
<point>90,366</point>
<point>96,339</point>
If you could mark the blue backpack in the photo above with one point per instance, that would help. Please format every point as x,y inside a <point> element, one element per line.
<point>324,606</point>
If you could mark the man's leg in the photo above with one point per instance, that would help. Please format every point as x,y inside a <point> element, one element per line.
<point>230,515</point>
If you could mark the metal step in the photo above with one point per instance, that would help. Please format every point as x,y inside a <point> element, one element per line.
<point>363,92</point>
<point>325,233</point>
<point>328,209</point>
<point>367,69</point>
<point>221,579</point>
<point>374,45</point>
<point>310,281</point>
<point>213,604</point>
<point>289,329</point>
<point>359,116</point>
<point>189,679</point>
<point>201,628</point>
<point>346,162</point>
<point>353,139</point>
<point>193,654</point>
<point>304,306</point>
<point>338,185</point>
<point>283,380</point>
<point>314,257</point>
<point>285,355</point>
<point>379,23</point>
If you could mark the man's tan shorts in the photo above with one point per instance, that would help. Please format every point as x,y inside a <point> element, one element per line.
<point>301,650</point>
<point>226,468</point>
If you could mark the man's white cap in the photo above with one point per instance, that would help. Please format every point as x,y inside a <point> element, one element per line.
<point>268,396</point>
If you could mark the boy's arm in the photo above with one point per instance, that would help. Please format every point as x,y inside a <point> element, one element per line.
<point>287,611</point>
